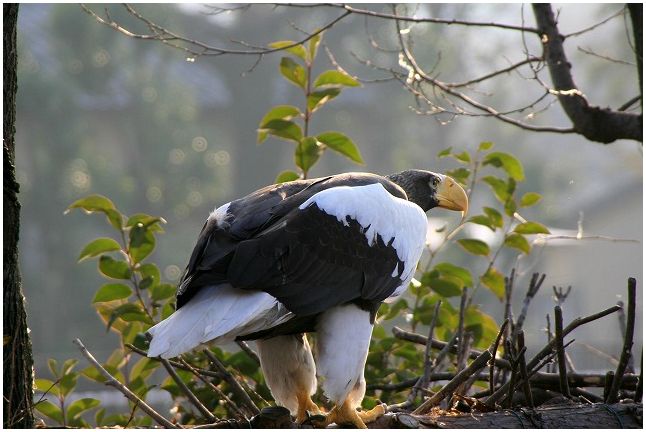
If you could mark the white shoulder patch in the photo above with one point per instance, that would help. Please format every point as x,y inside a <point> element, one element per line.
<point>220,215</point>
<point>382,213</point>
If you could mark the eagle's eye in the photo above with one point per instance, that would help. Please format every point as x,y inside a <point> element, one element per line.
<point>435,181</point>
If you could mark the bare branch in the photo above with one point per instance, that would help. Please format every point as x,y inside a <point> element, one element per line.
<point>594,26</point>
<point>396,17</point>
<point>195,47</point>
<point>596,124</point>
<point>508,69</point>
<point>113,382</point>
<point>626,351</point>
<point>189,394</point>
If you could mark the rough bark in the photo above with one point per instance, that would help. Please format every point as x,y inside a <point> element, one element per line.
<point>595,123</point>
<point>636,12</point>
<point>17,360</point>
<point>570,416</point>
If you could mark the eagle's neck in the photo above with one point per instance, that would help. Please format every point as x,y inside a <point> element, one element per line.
<point>416,190</point>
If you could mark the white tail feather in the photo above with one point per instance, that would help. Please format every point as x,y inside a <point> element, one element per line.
<point>216,314</point>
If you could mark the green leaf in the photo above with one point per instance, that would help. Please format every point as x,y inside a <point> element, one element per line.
<point>282,128</point>
<point>462,157</point>
<point>293,72</point>
<point>68,365</point>
<point>307,153</point>
<point>444,153</point>
<point>318,98</point>
<point>145,219</point>
<point>67,383</point>
<point>313,46</point>
<point>482,220</point>
<point>150,272</point>
<point>517,241</point>
<point>531,228</point>
<point>50,410</point>
<point>144,367</point>
<point>113,268</point>
<point>297,50</point>
<point>395,309</point>
<point>485,145</point>
<point>335,78</point>
<point>128,312</point>
<point>476,247</point>
<point>279,112</point>
<point>529,199</point>
<point>287,176</point>
<point>341,144</point>
<point>93,203</point>
<point>109,292</point>
<point>445,288</point>
<point>99,203</point>
<point>162,291</point>
<point>461,175</point>
<point>97,247</point>
<point>481,325</point>
<point>47,386</point>
<point>499,187</point>
<point>495,281</point>
<point>53,367</point>
<point>80,406</point>
<point>456,271</point>
<point>509,163</point>
<point>142,243</point>
<point>494,215</point>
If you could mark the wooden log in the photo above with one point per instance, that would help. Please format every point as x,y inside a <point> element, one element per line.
<point>575,416</point>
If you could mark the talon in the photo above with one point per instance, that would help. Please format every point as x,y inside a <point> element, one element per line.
<point>307,410</point>
<point>373,414</point>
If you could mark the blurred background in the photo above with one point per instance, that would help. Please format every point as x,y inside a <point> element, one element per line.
<point>168,135</point>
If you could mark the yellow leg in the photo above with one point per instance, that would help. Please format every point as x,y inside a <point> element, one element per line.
<point>306,407</point>
<point>345,414</point>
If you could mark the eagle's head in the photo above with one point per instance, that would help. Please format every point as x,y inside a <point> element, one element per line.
<point>428,190</point>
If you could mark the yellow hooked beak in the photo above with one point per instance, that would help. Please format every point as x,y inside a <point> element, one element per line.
<point>451,196</point>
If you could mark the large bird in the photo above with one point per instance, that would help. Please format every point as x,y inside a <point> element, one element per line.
<point>317,255</point>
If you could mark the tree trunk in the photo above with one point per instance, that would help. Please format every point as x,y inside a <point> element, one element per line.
<point>17,362</point>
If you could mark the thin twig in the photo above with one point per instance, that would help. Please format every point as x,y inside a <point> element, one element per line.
<point>520,342</point>
<point>113,382</point>
<point>441,345</point>
<point>494,351</point>
<point>423,382</point>
<point>550,345</point>
<point>235,385</point>
<point>626,351</point>
<point>174,363</point>
<point>187,391</point>
<point>534,285</point>
<point>215,388</point>
<point>560,351</point>
<point>244,346</point>
<point>445,391</point>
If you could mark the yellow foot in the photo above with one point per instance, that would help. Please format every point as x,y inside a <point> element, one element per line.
<point>346,415</point>
<point>373,414</point>
<point>306,408</point>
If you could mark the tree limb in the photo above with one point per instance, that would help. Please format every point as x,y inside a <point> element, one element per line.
<point>596,124</point>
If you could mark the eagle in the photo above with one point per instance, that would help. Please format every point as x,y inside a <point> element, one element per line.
<point>317,255</point>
